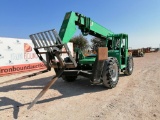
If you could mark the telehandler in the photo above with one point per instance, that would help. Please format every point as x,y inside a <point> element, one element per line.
<point>103,67</point>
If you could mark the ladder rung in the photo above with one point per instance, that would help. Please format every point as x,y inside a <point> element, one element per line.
<point>50,46</point>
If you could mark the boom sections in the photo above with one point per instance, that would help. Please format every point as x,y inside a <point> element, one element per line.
<point>85,24</point>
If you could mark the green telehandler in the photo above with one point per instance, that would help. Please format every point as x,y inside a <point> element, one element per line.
<point>104,67</point>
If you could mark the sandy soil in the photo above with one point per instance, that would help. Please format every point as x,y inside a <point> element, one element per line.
<point>135,97</point>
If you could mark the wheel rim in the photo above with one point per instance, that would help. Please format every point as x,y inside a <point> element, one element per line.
<point>130,65</point>
<point>114,72</point>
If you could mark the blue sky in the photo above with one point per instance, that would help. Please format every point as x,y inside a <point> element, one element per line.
<point>140,19</point>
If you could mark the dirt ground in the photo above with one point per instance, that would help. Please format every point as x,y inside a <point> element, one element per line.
<point>136,97</point>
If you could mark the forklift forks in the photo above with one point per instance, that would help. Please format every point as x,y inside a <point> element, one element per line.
<point>51,43</point>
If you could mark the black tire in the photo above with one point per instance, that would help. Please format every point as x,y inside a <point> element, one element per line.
<point>129,69</point>
<point>69,78</point>
<point>110,73</point>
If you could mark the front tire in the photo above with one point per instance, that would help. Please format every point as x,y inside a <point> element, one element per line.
<point>110,73</point>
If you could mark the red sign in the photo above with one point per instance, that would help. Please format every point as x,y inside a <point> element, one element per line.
<point>20,68</point>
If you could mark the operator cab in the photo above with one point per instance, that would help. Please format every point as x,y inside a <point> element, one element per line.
<point>118,47</point>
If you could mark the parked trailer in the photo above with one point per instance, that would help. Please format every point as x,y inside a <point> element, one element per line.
<point>137,52</point>
<point>147,50</point>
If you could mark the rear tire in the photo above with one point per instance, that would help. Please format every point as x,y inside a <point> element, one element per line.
<point>110,73</point>
<point>69,78</point>
<point>129,69</point>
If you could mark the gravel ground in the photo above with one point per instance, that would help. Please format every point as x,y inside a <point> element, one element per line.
<point>135,97</point>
